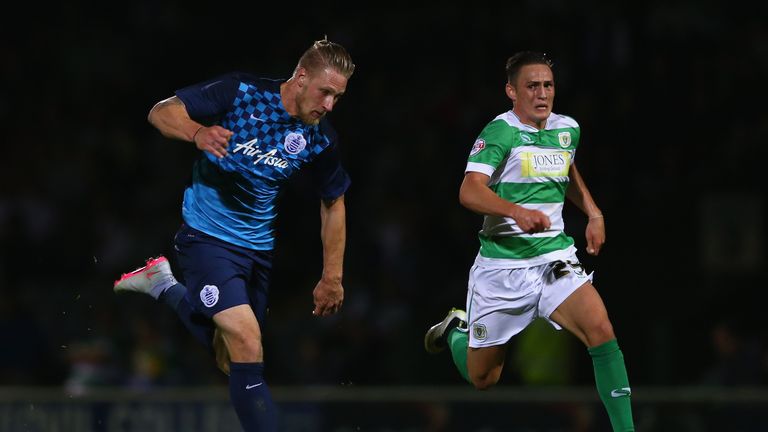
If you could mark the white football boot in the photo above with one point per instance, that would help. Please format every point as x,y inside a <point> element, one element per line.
<point>152,279</point>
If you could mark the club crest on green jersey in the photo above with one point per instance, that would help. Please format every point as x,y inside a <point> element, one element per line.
<point>564,138</point>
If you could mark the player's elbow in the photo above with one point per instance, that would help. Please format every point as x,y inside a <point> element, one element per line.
<point>466,198</point>
<point>154,113</point>
<point>165,110</point>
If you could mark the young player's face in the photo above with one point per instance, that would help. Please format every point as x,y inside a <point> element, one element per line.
<point>533,94</point>
<point>319,93</point>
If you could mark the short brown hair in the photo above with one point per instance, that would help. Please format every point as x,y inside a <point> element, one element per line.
<point>524,58</point>
<point>326,54</point>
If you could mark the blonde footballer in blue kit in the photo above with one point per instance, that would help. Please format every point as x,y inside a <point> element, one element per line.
<point>520,170</point>
<point>259,133</point>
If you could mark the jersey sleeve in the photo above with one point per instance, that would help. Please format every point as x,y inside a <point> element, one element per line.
<point>490,148</point>
<point>210,98</point>
<point>328,175</point>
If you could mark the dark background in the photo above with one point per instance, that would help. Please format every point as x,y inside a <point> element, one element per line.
<point>670,98</point>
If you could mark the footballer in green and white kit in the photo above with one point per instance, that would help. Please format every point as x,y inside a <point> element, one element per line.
<point>520,171</point>
<point>509,285</point>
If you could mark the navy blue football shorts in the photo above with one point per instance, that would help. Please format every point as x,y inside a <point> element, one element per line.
<point>219,275</point>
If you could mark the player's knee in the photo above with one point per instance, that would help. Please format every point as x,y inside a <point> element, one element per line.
<point>600,333</point>
<point>244,346</point>
<point>247,353</point>
<point>485,380</point>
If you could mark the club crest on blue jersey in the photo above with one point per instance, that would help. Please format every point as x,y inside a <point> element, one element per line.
<point>294,143</point>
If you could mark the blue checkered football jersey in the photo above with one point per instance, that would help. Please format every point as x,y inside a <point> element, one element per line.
<point>234,198</point>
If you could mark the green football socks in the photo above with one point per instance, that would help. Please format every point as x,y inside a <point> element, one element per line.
<point>458,341</point>
<point>613,384</point>
<point>610,377</point>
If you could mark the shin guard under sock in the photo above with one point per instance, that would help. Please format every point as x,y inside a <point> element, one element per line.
<point>458,341</point>
<point>613,384</point>
<point>251,397</point>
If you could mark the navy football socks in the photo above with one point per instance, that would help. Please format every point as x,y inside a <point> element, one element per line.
<point>251,397</point>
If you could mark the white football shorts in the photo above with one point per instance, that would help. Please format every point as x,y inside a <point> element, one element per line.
<point>502,302</point>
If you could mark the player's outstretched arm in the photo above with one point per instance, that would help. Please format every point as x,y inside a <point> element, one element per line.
<point>579,194</point>
<point>170,117</point>
<point>329,293</point>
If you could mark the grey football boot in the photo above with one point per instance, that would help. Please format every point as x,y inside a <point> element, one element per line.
<point>436,339</point>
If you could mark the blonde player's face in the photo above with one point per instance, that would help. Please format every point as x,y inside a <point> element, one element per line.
<point>533,94</point>
<point>318,94</point>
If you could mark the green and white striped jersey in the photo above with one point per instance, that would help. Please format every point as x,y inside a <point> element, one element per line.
<point>528,167</point>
